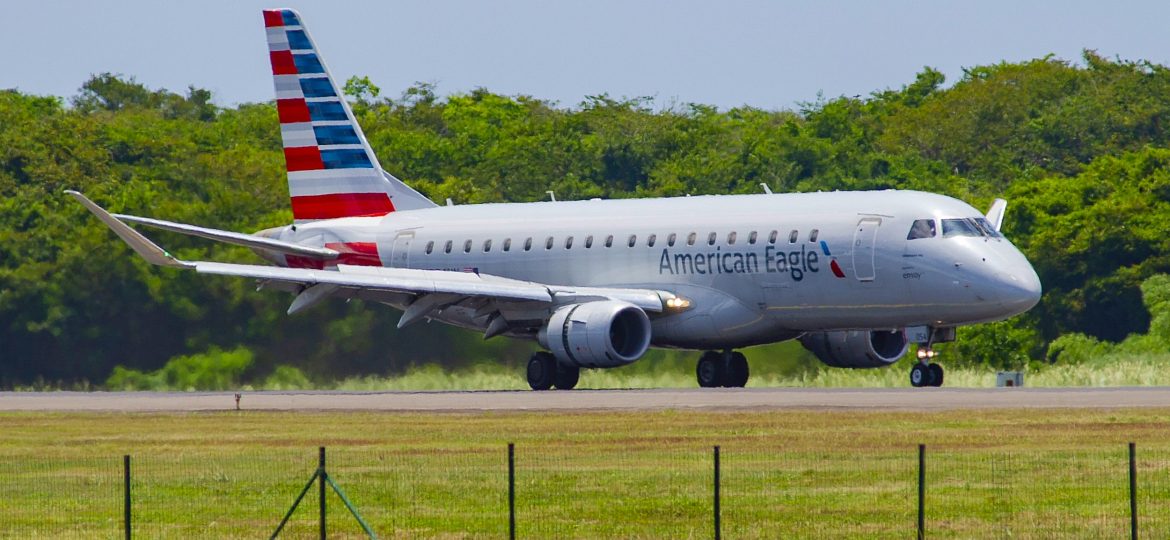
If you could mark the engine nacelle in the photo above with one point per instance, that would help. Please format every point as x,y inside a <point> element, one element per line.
<point>597,334</point>
<point>857,348</point>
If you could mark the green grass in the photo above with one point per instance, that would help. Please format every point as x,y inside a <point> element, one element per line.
<point>791,474</point>
<point>677,370</point>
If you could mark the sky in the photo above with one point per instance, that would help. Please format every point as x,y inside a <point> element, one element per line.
<point>771,55</point>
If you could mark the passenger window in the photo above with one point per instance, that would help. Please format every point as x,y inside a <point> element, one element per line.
<point>569,242</point>
<point>812,236</point>
<point>792,236</point>
<point>487,246</point>
<point>548,244</point>
<point>922,228</point>
<point>528,244</point>
<point>691,239</point>
<point>650,240</point>
<point>711,239</point>
<point>633,239</point>
<point>588,241</point>
<point>467,246</point>
<point>448,247</point>
<point>752,237</point>
<point>772,237</point>
<point>507,244</point>
<point>430,247</point>
<point>958,227</point>
<point>609,241</point>
<point>731,238</point>
<point>671,239</point>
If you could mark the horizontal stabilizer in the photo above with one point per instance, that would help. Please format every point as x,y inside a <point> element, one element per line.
<point>229,237</point>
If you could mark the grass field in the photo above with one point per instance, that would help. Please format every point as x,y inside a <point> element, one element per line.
<point>677,370</point>
<point>786,474</point>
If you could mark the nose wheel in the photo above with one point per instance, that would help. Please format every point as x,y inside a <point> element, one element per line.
<point>925,372</point>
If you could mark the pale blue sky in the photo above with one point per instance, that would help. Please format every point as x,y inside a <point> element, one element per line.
<point>726,53</point>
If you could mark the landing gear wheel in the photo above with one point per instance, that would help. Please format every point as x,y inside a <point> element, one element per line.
<point>566,377</point>
<point>936,374</point>
<point>542,369</point>
<point>737,371</point>
<point>709,371</point>
<point>919,375</point>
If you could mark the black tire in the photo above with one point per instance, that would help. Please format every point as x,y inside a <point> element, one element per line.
<point>919,375</point>
<point>936,374</point>
<point>737,371</point>
<point>709,371</point>
<point>566,377</point>
<point>542,369</point>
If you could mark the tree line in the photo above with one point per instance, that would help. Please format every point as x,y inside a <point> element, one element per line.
<point>1080,150</point>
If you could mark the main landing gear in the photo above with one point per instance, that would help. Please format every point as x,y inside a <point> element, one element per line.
<point>544,372</point>
<point>728,368</point>
<point>925,372</point>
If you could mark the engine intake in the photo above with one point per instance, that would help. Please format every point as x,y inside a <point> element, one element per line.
<point>597,334</point>
<point>857,348</point>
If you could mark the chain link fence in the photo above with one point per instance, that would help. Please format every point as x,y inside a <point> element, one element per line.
<point>655,489</point>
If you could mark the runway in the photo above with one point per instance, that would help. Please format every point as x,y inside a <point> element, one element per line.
<point>929,399</point>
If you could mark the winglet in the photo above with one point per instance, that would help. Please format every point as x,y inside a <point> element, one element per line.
<point>995,214</point>
<point>140,244</point>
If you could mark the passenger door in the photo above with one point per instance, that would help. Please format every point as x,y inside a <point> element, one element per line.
<point>864,239</point>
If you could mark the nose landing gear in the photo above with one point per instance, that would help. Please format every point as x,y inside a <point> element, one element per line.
<point>925,372</point>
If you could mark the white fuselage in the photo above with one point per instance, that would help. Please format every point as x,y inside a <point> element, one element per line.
<point>757,268</point>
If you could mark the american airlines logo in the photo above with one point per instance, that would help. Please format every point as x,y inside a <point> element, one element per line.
<point>771,260</point>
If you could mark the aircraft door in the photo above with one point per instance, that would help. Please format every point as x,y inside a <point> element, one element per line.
<point>864,238</point>
<point>400,257</point>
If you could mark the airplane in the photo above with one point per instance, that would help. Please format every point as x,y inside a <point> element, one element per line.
<point>856,277</point>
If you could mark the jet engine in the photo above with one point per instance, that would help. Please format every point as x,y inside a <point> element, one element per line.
<point>597,334</point>
<point>857,348</point>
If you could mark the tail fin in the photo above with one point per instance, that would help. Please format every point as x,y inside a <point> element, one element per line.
<point>332,172</point>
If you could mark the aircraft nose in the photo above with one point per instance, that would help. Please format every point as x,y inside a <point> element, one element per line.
<point>1020,287</point>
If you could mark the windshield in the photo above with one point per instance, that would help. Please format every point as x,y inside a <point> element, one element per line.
<point>987,228</point>
<point>960,227</point>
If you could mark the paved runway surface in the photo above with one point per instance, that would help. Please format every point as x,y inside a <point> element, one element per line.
<point>588,400</point>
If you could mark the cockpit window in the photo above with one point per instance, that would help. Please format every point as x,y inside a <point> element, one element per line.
<point>987,228</point>
<point>959,227</point>
<point>922,228</point>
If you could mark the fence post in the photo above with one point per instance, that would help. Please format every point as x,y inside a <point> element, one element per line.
<point>126,494</point>
<point>512,491</point>
<point>718,532</point>
<point>321,487</point>
<point>921,491</point>
<point>1133,519</point>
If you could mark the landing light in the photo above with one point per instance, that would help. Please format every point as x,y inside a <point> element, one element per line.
<point>677,303</point>
<point>926,353</point>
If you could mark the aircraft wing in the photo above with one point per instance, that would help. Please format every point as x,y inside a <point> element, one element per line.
<point>444,287</point>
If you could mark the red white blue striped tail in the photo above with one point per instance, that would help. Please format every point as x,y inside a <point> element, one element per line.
<point>332,172</point>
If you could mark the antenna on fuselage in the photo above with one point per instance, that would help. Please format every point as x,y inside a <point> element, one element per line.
<point>450,202</point>
<point>767,189</point>
<point>552,196</point>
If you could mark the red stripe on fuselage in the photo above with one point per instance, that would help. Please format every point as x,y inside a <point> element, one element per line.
<point>282,63</point>
<point>355,253</point>
<point>338,205</point>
